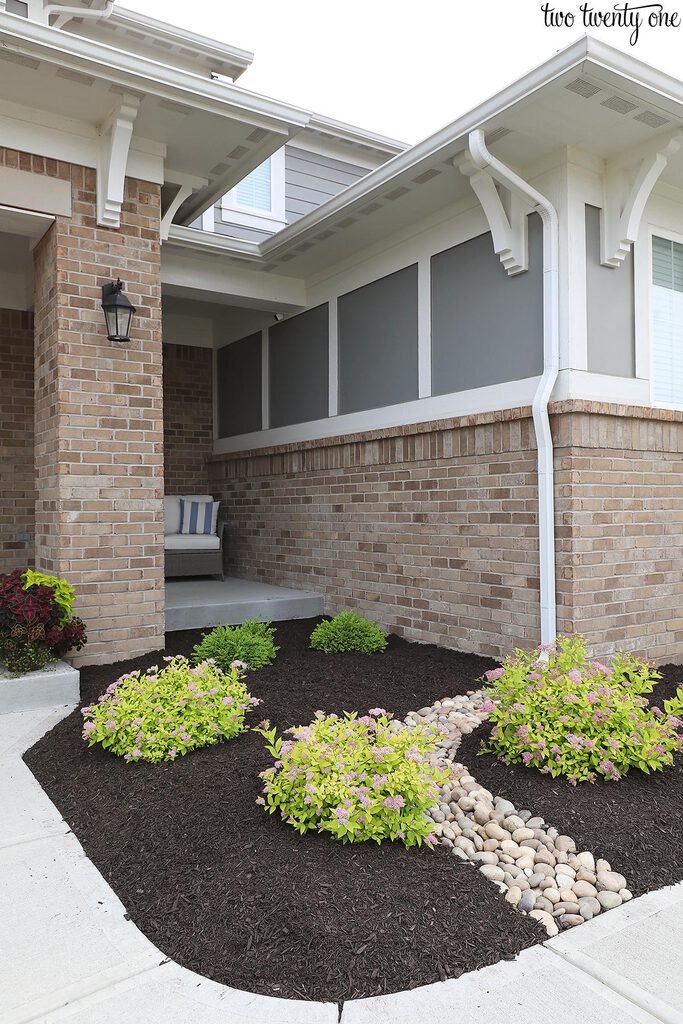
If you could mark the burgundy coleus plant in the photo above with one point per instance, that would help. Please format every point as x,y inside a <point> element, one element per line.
<point>31,628</point>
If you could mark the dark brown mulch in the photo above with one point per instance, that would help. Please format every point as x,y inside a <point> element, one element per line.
<point>239,896</point>
<point>636,824</point>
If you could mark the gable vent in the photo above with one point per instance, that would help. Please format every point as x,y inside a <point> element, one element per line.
<point>397,193</point>
<point>323,235</point>
<point>304,247</point>
<point>257,135</point>
<point>617,104</point>
<point>347,222</point>
<point>218,169</point>
<point>237,152</point>
<point>497,135</point>
<point>370,208</point>
<point>651,119</point>
<point>582,88</point>
<point>425,176</point>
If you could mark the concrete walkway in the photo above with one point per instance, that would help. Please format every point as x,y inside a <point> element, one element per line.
<point>68,954</point>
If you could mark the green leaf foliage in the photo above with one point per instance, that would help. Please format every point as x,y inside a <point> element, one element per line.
<point>356,778</point>
<point>161,714</point>
<point>346,632</point>
<point>252,643</point>
<point>572,715</point>
<point>64,593</point>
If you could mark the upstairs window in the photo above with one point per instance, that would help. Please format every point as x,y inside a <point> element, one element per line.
<point>256,191</point>
<point>258,201</point>
<point>667,321</point>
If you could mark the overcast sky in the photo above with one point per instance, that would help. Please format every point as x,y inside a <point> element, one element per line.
<point>401,69</point>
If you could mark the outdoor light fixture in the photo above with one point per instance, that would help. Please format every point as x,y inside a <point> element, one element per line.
<point>118,311</point>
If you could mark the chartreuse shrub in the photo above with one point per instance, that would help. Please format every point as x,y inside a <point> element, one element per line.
<point>356,778</point>
<point>253,643</point>
<point>162,713</point>
<point>348,631</point>
<point>574,716</point>
<point>674,706</point>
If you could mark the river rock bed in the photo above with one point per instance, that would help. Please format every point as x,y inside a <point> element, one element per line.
<point>540,871</point>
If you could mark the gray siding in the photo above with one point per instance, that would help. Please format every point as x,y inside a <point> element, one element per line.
<point>377,328</point>
<point>239,386</point>
<point>298,363</point>
<point>310,180</point>
<point>223,226</point>
<point>609,308</point>
<point>487,328</point>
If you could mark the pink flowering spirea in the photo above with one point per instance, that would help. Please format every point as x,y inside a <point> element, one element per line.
<point>161,714</point>
<point>356,778</point>
<point>558,711</point>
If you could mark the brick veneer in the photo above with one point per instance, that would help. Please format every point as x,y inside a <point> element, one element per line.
<point>432,529</point>
<point>99,430</point>
<point>16,440</point>
<point>188,418</point>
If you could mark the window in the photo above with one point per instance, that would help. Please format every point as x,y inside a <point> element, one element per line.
<point>258,200</point>
<point>255,192</point>
<point>17,7</point>
<point>667,321</point>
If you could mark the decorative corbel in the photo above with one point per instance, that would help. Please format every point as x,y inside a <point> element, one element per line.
<point>187,184</point>
<point>507,220</point>
<point>116,134</point>
<point>627,185</point>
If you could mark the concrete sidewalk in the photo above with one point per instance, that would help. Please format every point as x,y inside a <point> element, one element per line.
<point>68,954</point>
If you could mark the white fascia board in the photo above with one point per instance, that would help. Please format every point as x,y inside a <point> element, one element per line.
<point>204,241</point>
<point>172,36</point>
<point>135,72</point>
<point>343,132</point>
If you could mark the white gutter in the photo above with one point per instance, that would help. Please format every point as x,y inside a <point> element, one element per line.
<point>485,161</point>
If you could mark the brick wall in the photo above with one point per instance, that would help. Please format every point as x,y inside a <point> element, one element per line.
<point>99,417</point>
<point>620,506</point>
<point>188,418</point>
<point>430,530</point>
<point>16,440</point>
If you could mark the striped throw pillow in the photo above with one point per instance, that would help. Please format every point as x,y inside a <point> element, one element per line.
<point>198,516</point>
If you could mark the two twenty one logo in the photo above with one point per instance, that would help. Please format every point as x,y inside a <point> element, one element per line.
<point>621,16</point>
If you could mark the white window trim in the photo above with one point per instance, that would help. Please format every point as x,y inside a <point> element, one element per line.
<point>248,216</point>
<point>645,347</point>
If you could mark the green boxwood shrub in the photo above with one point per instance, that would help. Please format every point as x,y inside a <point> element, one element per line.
<point>356,778</point>
<point>348,631</point>
<point>252,643</point>
<point>574,716</point>
<point>162,713</point>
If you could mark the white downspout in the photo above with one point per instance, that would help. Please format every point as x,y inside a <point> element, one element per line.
<point>484,160</point>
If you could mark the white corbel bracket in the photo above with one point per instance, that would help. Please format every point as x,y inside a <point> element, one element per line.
<point>628,182</point>
<point>187,184</point>
<point>116,134</point>
<point>507,216</point>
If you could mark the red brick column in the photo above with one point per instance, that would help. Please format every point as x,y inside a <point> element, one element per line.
<point>99,420</point>
<point>188,418</point>
<point>16,440</point>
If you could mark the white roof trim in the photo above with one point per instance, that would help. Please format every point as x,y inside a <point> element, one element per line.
<point>134,71</point>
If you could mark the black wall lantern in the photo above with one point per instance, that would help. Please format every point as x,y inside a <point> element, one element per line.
<point>118,311</point>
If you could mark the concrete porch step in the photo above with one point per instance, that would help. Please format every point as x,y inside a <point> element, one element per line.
<point>196,603</point>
